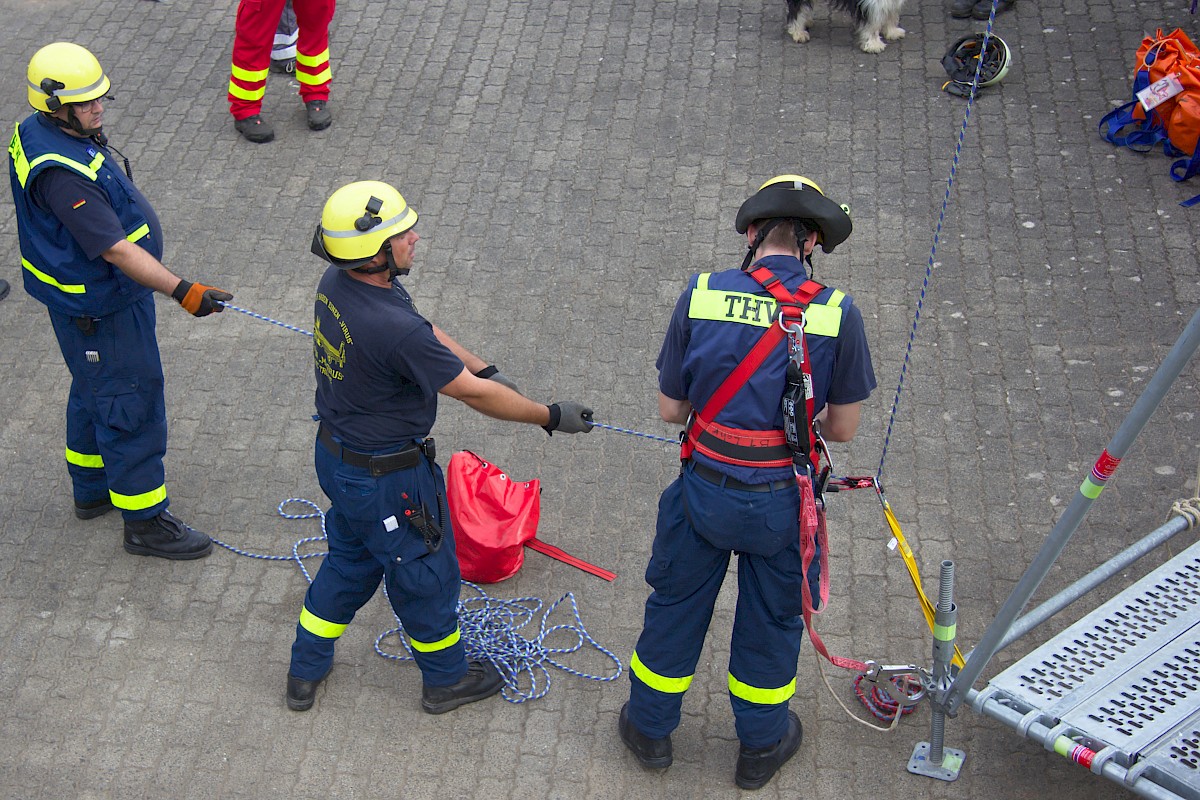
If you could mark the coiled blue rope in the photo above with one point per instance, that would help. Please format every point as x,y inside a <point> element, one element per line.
<point>490,626</point>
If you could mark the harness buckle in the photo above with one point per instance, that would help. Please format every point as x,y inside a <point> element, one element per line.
<point>794,325</point>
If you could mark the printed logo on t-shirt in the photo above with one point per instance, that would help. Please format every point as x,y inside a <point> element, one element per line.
<point>331,359</point>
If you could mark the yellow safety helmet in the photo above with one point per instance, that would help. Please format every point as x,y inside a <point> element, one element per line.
<point>797,197</point>
<point>62,73</point>
<point>357,220</point>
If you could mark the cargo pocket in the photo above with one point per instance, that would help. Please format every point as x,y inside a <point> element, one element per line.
<point>418,572</point>
<point>120,405</point>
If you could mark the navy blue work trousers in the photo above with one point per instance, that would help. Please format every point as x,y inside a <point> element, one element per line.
<point>370,540</point>
<point>116,413</point>
<point>700,525</point>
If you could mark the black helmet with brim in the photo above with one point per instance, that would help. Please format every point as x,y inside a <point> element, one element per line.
<point>796,197</point>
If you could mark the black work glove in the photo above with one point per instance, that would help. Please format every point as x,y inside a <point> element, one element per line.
<point>200,300</point>
<point>493,373</point>
<point>568,417</point>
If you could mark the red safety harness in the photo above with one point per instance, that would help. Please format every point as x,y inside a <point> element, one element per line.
<point>794,446</point>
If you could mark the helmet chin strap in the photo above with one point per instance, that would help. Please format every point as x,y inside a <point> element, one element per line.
<point>72,123</point>
<point>798,228</point>
<point>389,265</point>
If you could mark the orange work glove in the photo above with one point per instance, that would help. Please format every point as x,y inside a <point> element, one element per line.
<point>200,300</point>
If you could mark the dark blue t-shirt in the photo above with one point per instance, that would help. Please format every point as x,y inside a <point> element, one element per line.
<point>713,329</point>
<point>379,366</point>
<point>85,210</point>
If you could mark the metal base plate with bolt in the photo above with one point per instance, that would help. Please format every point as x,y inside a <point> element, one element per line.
<point>952,761</point>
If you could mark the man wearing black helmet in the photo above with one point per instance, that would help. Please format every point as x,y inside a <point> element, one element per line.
<point>751,358</point>
<point>380,367</point>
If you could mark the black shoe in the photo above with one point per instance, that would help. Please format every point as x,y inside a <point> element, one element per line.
<point>4,287</point>
<point>301,694</point>
<point>650,753</point>
<point>482,680</point>
<point>255,129</point>
<point>757,766</point>
<point>96,508</point>
<point>319,116</point>
<point>961,9</point>
<point>983,9</point>
<point>284,66</point>
<point>166,537</point>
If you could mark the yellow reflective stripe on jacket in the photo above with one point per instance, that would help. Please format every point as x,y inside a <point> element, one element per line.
<point>820,319</point>
<point>660,683</point>
<point>247,94</point>
<point>139,233</point>
<point>136,502</point>
<point>69,288</point>
<point>762,697</point>
<point>84,460</point>
<point>23,167</point>
<point>320,627</point>
<point>441,644</point>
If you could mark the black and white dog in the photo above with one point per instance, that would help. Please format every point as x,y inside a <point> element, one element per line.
<point>875,20</point>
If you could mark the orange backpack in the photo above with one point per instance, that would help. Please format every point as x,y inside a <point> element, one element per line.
<point>1166,103</point>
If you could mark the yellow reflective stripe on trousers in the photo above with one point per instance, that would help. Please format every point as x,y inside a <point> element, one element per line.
<point>247,94</point>
<point>441,644</point>
<point>69,288</point>
<point>313,61</point>
<point>136,502</point>
<point>322,77</point>
<point>660,683</point>
<point>319,627</point>
<point>84,460</point>
<point>762,697</point>
<point>248,75</point>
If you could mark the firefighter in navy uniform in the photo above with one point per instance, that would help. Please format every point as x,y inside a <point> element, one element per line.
<point>90,249</point>
<point>739,490</point>
<point>380,366</point>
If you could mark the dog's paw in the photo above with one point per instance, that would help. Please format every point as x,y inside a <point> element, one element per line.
<point>893,33</point>
<point>799,33</point>
<point>872,45</point>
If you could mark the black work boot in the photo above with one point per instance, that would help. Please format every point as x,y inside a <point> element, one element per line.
<point>318,115</point>
<point>166,537</point>
<point>758,765</point>
<point>94,509</point>
<point>301,693</point>
<point>482,680</point>
<point>961,9</point>
<point>650,753</point>
<point>255,129</point>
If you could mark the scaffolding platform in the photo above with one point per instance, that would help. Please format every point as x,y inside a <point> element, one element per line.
<point>1123,681</point>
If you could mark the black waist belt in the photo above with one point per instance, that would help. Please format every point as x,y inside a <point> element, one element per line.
<point>721,479</point>
<point>407,458</point>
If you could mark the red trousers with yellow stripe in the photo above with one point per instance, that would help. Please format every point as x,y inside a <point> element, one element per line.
<point>254,33</point>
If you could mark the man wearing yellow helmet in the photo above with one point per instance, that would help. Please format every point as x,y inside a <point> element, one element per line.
<point>90,249</point>
<point>380,367</point>
<point>750,358</point>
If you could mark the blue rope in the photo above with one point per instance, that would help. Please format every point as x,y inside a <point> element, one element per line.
<point>266,319</point>
<point>936,237</point>
<point>490,627</point>
<point>635,433</point>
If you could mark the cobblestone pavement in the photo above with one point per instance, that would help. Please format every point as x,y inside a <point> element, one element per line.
<point>573,162</point>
